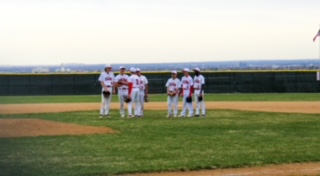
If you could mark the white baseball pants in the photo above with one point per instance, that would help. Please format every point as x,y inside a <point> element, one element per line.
<point>141,103</point>
<point>173,103</point>
<point>135,100</point>
<point>199,105</point>
<point>122,95</point>
<point>186,105</point>
<point>105,103</point>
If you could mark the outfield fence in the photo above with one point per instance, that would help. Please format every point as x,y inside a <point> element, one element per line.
<point>216,82</point>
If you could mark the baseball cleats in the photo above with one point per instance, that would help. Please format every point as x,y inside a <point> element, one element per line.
<point>169,115</point>
<point>203,115</point>
<point>197,115</point>
<point>101,116</point>
<point>122,116</point>
<point>182,116</point>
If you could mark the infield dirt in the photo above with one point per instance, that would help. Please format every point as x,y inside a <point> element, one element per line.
<point>287,107</point>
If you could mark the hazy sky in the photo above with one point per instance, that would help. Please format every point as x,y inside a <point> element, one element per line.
<point>144,31</point>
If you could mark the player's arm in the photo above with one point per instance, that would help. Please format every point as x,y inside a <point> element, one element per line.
<point>191,90</point>
<point>181,90</point>
<point>114,86</point>
<point>129,89</point>
<point>202,86</point>
<point>104,86</point>
<point>147,89</point>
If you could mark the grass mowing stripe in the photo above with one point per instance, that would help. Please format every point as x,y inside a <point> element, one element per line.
<point>222,140</point>
<point>163,98</point>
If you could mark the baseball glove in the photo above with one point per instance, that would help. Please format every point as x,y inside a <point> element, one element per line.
<point>189,99</point>
<point>200,98</point>
<point>106,94</point>
<point>146,98</point>
<point>127,100</point>
<point>171,94</point>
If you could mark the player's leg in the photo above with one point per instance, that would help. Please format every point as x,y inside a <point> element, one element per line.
<point>137,103</point>
<point>196,95</point>
<point>184,106</point>
<point>203,106</point>
<point>190,109</point>
<point>130,105</point>
<point>107,104</point>
<point>169,103</point>
<point>102,105</point>
<point>175,105</point>
<point>141,103</point>
<point>121,101</point>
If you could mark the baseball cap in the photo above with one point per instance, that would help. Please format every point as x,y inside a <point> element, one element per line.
<point>174,72</point>
<point>122,67</point>
<point>186,70</point>
<point>138,69</point>
<point>197,69</point>
<point>107,66</point>
<point>132,69</point>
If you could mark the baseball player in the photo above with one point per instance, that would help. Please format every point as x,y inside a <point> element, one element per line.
<point>143,87</point>
<point>133,93</point>
<point>186,93</point>
<point>173,85</point>
<point>198,92</point>
<point>121,82</point>
<point>106,80</point>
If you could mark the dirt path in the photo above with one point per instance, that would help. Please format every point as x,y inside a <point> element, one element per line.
<point>310,169</point>
<point>35,127</point>
<point>289,107</point>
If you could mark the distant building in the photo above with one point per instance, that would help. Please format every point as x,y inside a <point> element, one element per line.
<point>40,70</point>
<point>63,69</point>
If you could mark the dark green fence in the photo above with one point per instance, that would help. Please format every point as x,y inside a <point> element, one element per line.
<point>216,82</point>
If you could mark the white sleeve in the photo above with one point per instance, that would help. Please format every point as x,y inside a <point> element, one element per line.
<point>203,82</point>
<point>145,80</point>
<point>167,84</point>
<point>191,81</point>
<point>101,77</point>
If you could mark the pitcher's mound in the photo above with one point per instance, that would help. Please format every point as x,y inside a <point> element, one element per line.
<point>36,127</point>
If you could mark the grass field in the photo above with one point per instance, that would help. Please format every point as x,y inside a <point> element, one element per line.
<point>223,139</point>
<point>162,97</point>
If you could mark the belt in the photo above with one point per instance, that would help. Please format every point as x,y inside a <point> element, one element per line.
<point>123,88</point>
<point>108,86</point>
<point>135,87</point>
<point>197,89</point>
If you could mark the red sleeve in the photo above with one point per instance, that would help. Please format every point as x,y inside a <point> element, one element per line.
<point>191,90</point>
<point>130,89</point>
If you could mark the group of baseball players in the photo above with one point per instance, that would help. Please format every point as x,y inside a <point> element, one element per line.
<point>186,88</point>
<point>133,90</point>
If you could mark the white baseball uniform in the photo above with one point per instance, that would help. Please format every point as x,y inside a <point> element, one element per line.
<point>199,81</point>
<point>173,85</point>
<point>122,91</point>
<point>107,79</point>
<point>134,94</point>
<point>142,88</point>
<point>186,85</point>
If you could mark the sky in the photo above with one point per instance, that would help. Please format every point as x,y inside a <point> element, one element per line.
<point>51,32</point>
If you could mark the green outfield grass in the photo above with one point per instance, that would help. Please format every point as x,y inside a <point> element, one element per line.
<point>163,97</point>
<point>225,139</point>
